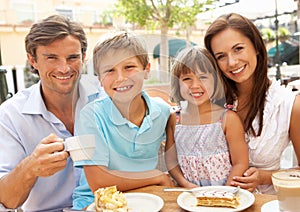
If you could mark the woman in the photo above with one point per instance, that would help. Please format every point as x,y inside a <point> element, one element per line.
<point>270,113</point>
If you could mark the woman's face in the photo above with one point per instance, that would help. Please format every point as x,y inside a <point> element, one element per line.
<point>235,55</point>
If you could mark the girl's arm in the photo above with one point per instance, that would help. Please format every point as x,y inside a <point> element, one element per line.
<point>171,155</point>
<point>238,147</point>
<point>295,127</point>
<point>100,176</point>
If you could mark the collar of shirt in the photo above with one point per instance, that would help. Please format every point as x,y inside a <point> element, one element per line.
<point>118,119</point>
<point>89,89</point>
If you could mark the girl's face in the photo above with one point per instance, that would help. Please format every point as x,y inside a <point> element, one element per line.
<point>122,75</point>
<point>196,89</point>
<point>235,55</point>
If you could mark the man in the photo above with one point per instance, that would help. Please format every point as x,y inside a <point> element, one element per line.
<point>35,173</point>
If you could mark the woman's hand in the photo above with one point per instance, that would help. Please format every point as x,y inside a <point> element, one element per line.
<point>249,180</point>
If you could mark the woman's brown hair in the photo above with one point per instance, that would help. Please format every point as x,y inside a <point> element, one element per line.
<point>261,85</point>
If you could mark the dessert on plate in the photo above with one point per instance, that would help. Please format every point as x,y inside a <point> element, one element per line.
<point>109,199</point>
<point>216,198</point>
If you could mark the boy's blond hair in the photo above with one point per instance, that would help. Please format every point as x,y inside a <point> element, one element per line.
<point>120,40</point>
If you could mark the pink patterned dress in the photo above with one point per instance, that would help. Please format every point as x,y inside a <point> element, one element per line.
<point>203,153</point>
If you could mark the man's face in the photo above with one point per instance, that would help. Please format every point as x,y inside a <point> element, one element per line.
<point>59,65</point>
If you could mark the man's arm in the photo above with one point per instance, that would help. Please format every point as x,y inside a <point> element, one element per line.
<point>47,159</point>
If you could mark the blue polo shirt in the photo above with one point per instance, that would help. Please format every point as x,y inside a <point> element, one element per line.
<point>117,139</point>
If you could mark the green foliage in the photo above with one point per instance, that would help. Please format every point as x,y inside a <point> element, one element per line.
<point>187,11</point>
<point>268,35</point>
<point>158,13</point>
<point>135,11</point>
<point>283,32</point>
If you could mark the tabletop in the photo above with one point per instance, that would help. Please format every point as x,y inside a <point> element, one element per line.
<point>170,199</point>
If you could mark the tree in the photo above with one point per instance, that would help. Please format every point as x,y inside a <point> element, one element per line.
<point>163,14</point>
<point>267,34</point>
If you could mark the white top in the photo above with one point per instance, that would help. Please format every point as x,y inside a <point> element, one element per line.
<point>265,151</point>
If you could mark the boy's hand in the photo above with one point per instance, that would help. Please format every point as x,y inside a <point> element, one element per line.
<point>167,180</point>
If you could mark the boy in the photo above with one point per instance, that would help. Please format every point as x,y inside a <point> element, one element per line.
<point>129,125</point>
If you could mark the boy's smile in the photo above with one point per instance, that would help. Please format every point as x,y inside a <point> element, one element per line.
<point>120,73</point>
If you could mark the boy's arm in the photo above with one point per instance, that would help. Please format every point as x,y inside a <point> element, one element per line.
<point>238,147</point>
<point>100,176</point>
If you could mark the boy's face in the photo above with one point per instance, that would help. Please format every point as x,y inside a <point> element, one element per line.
<point>122,75</point>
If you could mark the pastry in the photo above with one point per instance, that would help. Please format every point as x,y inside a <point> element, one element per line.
<point>214,198</point>
<point>109,199</point>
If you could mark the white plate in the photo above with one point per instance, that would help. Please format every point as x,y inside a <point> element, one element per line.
<point>188,201</point>
<point>271,206</point>
<point>138,202</point>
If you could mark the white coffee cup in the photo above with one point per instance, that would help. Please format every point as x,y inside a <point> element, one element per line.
<point>80,147</point>
<point>287,187</point>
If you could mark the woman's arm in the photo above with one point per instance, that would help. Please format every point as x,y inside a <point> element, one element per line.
<point>295,127</point>
<point>238,148</point>
<point>171,155</point>
<point>252,178</point>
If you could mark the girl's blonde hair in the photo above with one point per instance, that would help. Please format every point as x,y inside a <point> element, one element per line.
<point>194,59</point>
<point>120,40</point>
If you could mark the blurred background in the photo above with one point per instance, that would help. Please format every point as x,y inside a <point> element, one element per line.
<point>166,25</point>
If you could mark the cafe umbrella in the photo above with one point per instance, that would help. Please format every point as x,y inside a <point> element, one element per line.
<point>175,45</point>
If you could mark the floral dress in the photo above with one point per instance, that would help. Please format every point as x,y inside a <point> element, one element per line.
<point>203,153</point>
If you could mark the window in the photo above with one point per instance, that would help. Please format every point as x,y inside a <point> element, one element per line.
<point>25,11</point>
<point>68,13</point>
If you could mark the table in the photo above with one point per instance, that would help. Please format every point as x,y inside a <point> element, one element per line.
<point>170,199</point>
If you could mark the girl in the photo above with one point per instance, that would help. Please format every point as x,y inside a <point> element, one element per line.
<point>210,145</point>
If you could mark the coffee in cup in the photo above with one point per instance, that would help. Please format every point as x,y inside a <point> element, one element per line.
<point>287,187</point>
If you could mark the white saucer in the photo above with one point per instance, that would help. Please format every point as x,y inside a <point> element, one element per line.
<point>271,206</point>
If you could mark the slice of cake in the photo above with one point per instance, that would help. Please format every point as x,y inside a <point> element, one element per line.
<point>109,199</point>
<point>214,198</point>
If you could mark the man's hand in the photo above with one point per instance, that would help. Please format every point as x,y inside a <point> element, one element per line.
<point>48,157</point>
